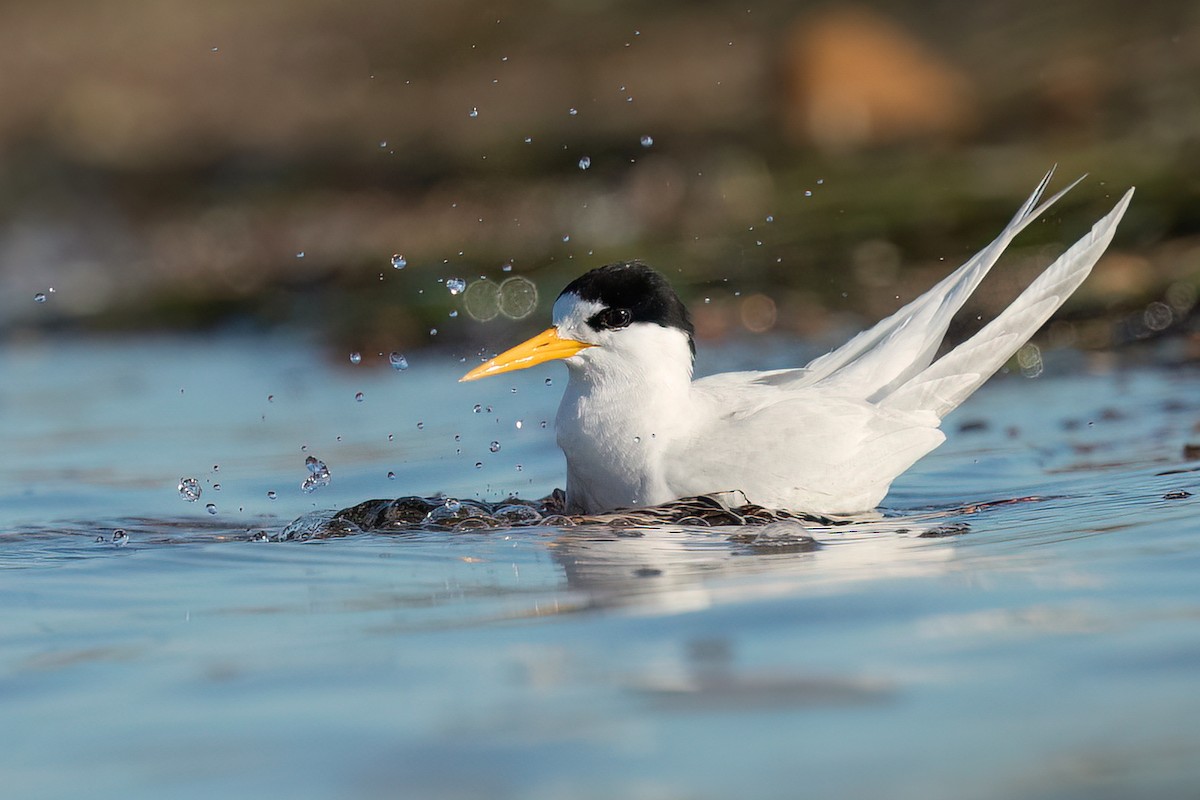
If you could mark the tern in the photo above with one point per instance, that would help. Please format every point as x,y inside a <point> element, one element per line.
<point>827,438</point>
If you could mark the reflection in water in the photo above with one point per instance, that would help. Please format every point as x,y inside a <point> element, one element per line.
<point>710,681</point>
<point>670,569</point>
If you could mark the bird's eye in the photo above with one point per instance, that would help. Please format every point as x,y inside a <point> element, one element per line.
<point>614,318</point>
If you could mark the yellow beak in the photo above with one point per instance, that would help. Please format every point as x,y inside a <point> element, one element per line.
<point>546,346</point>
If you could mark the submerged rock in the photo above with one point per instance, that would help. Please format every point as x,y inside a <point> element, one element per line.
<point>409,514</point>
<point>454,513</point>
<point>786,536</point>
<point>942,531</point>
<point>406,512</point>
<point>367,515</point>
<point>518,514</point>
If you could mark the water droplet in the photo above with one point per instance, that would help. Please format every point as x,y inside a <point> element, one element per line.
<point>420,426</point>
<point>770,217</point>
<point>391,476</point>
<point>494,447</point>
<point>383,142</point>
<point>398,361</point>
<point>820,181</point>
<point>478,465</point>
<point>216,487</point>
<point>399,261</point>
<point>455,285</point>
<point>566,237</point>
<point>120,538</point>
<point>585,162</point>
<point>473,113</point>
<point>637,440</point>
<point>647,141</point>
<point>211,508</point>
<point>543,424</point>
<point>519,468</point>
<point>300,254</point>
<point>519,423</point>
<point>189,489</point>
<point>1029,359</point>
<point>358,396</point>
<point>453,314</point>
<point>271,495</point>
<point>478,408</point>
<point>433,331</point>
<point>390,437</point>
<point>808,192</point>
<point>355,357</point>
<point>572,111</point>
<point>318,475</point>
<point>40,297</point>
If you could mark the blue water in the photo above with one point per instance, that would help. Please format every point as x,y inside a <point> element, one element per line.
<point>1050,650</point>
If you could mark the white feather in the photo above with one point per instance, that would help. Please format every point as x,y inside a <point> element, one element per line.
<point>952,379</point>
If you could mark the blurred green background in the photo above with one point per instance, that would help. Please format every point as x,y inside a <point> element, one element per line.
<point>793,167</point>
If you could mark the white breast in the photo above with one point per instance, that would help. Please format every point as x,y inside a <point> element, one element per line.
<point>618,416</point>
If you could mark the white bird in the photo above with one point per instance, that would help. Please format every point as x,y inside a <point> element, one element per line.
<point>827,438</point>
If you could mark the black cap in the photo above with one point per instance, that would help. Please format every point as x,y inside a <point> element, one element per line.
<point>630,291</point>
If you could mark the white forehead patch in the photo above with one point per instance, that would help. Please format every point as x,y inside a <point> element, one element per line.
<point>572,311</point>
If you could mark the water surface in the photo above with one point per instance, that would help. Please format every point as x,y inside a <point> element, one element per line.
<point>1049,647</point>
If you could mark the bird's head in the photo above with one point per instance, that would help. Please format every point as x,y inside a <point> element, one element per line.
<point>619,317</point>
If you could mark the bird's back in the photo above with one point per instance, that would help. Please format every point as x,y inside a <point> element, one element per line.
<point>801,448</point>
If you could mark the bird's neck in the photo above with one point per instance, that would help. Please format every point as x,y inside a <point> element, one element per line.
<point>632,394</point>
<point>645,383</point>
<point>617,416</point>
